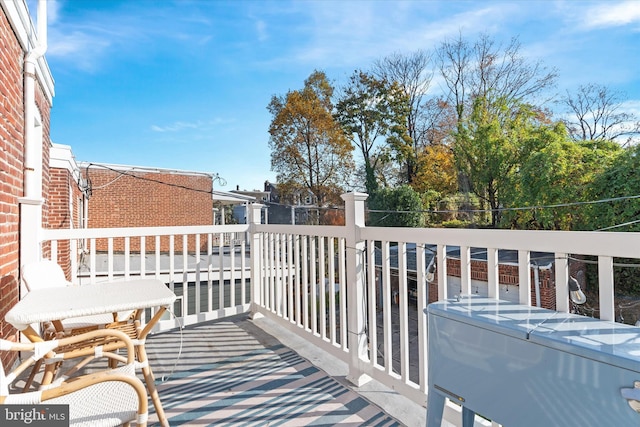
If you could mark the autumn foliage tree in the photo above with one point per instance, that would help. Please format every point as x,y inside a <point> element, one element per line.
<point>436,170</point>
<point>309,150</point>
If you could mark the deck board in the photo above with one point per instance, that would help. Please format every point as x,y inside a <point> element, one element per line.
<point>230,373</point>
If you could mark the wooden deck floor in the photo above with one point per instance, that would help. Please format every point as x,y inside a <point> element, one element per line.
<point>232,373</point>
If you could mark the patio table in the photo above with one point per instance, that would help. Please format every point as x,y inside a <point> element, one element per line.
<point>57,304</point>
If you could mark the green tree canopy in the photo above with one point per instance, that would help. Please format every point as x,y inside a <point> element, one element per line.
<point>490,146</point>
<point>395,207</point>
<point>618,181</point>
<point>559,173</point>
<point>368,109</point>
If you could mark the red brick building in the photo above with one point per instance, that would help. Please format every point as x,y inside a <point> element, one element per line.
<point>136,196</point>
<point>67,199</point>
<point>143,197</point>
<point>26,93</point>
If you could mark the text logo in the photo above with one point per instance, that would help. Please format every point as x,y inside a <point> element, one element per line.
<point>34,415</point>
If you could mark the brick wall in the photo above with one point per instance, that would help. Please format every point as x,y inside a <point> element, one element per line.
<point>11,157</point>
<point>11,166</point>
<point>507,275</point>
<point>64,201</point>
<point>148,199</point>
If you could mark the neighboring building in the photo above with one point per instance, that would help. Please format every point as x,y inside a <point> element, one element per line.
<point>67,199</point>
<point>264,197</point>
<point>26,96</point>
<point>303,208</point>
<point>139,196</point>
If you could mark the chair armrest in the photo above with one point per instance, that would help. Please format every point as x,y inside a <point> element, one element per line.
<point>89,345</point>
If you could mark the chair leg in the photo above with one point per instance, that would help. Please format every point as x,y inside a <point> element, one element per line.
<point>32,375</point>
<point>112,363</point>
<point>151,385</point>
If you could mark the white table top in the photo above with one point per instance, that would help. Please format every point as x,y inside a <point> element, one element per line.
<point>43,305</point>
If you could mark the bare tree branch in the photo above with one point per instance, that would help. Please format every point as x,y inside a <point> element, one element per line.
<point>595,113</point>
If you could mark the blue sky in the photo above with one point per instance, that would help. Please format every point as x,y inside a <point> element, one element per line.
<point>185,84</point>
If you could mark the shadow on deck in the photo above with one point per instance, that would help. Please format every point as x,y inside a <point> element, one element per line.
<point>234,372</point>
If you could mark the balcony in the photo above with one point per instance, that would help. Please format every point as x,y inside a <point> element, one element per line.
<point>234,371</point>
<point>353,293</point>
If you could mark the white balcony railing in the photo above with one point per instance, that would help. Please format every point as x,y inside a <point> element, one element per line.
<point>357,292</point>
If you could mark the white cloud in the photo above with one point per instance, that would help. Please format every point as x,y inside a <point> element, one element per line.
<point>80,47</point>
<point>74,43</point>
<point>85,37</point>
<point>181,126</point>
<point>358,32</point>
<point>175,127</point>
<point>613,14</point>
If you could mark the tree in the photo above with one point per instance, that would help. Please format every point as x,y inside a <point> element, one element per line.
<point>454,63</point>
<point>438,121</point>
<point>387,172</point>
<point>487,70</point>
<point>559,173</point>
<point>436,170</point>
<point>491,144</point>
<point>595,113</point>
<point>369,109</point>
<point>619,183</point>
<point>617,186</point>
<point>395,207</point>
<point>413,74</point>
<point>309,149</point>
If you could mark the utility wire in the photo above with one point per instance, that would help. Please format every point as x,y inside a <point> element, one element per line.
<point>619,225</point>
<point>388,212</point>
<point>143,178</point>
<point>523,208</point>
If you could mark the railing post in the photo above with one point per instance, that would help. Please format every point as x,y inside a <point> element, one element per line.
<point>255,257</point>
<point>356,286</point>
<point>562,285</point>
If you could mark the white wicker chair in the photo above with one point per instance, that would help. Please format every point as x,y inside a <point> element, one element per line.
<point>109,397</point>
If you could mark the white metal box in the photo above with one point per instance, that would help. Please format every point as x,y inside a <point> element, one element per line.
<point>527,366</point>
